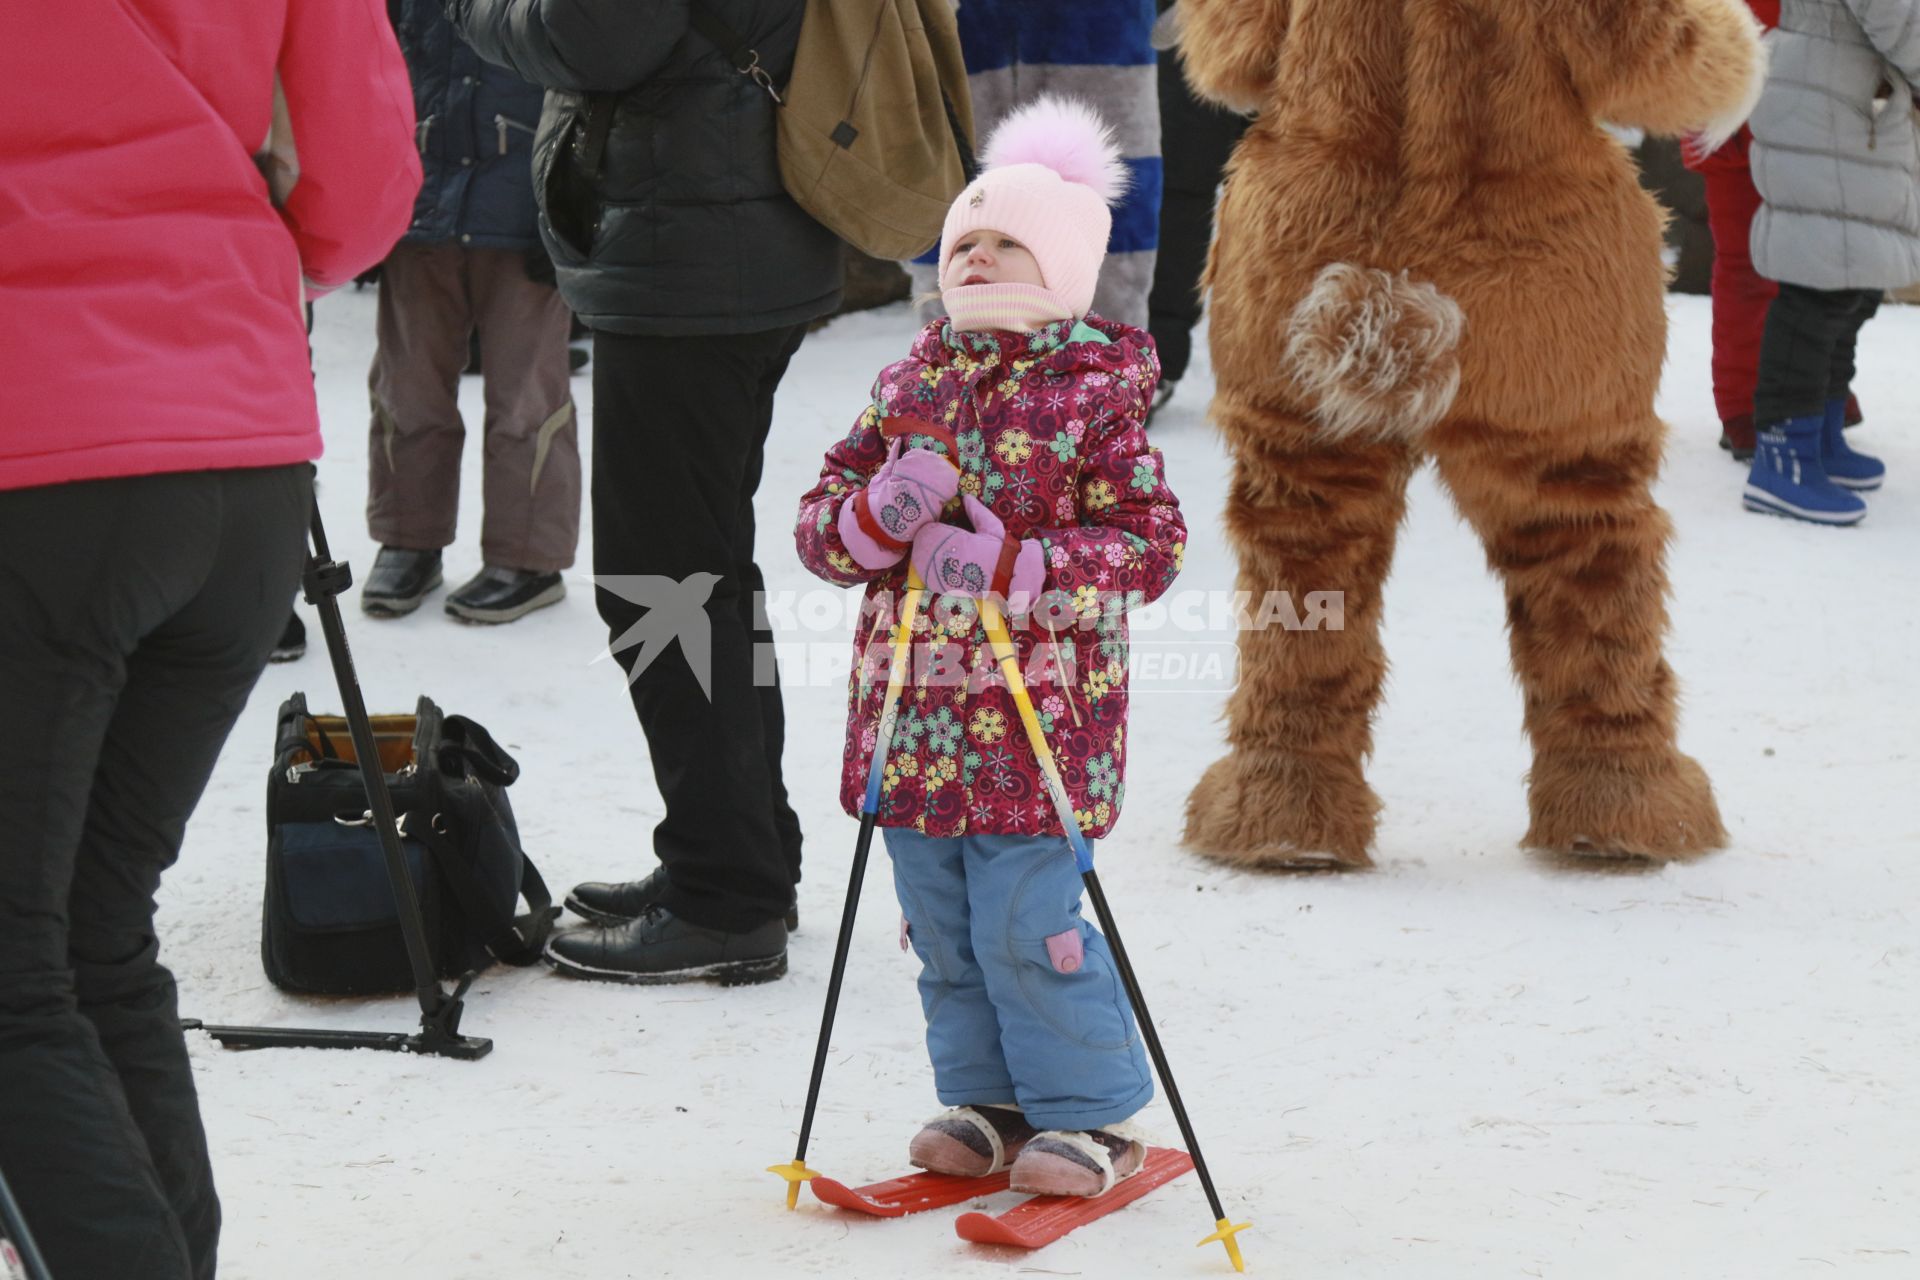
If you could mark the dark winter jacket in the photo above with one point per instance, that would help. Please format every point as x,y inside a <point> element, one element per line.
<point>475,131</point>
<point>682,226</point>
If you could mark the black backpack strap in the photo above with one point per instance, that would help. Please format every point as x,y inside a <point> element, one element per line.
<point>733,46</point>
<point>468,747</point>
<point>509,938</point>
<point>969,163</point>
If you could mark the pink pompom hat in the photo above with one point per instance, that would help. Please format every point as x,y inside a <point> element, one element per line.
<point>1051,170</point>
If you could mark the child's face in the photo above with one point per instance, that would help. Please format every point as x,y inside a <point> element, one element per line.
<point>989,257</point>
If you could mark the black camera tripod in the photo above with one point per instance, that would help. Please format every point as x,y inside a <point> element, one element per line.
<point>439,1033</point>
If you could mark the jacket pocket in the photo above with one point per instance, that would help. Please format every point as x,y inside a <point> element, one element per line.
<point>566,197</point>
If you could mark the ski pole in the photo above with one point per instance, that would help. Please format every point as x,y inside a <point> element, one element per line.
<point>797,1172</point>
<point>1008,658</point>
<point>13,1228</point>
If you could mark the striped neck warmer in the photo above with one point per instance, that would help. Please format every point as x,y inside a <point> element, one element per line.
<point>1013,308</point>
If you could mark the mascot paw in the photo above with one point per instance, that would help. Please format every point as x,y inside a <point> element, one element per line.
<point>1658,807</point>
<point>1282,812</point>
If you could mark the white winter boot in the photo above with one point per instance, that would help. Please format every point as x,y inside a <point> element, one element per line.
<point>1083,1162</point>
<point>970,1142</point>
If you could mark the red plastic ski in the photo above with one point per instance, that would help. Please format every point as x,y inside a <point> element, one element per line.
<point>1044,1219</point>
<point>914,1193</point>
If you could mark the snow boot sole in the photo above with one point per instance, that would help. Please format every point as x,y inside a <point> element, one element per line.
<point>1858,486</point>
<point>1758,499</point>
<point>398,606</point>
<point>727,973</point>
<point>494,617</point>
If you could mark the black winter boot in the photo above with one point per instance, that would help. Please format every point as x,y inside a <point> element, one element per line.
<point>614,904</point>
<point>400,580</point>
<point>659,947</point>
<point>292,642</point>
<point>496,595</point>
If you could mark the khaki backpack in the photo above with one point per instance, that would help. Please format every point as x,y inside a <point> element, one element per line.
<point>875,123</point>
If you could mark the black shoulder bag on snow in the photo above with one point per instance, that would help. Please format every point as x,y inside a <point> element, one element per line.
<point>330,924</point>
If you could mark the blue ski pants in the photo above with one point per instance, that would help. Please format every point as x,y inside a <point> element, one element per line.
<point>1022,998</point>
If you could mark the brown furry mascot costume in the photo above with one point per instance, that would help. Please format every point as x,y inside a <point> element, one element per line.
<point>1429,248</point>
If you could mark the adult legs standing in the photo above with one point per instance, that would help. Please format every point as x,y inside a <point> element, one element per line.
<point>773,717</point>
<point>680,429</point>
<point>130,655</point>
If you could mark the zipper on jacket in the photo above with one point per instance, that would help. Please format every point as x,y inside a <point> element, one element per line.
<point>1066,685</point>
<point>501,124</point>
<point>420,133</point>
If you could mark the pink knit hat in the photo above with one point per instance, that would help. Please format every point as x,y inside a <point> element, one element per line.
<point>1051,169</point>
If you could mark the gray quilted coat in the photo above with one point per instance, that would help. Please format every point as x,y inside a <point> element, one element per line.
<point>1835,152</point>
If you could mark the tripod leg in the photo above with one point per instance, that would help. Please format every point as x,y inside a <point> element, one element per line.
<point>13,1228</point>
<point>324,582</point>
<point>440,1012</point>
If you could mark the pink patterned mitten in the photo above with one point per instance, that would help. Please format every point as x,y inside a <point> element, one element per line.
<point>980,562</point>
<point>905,495</point>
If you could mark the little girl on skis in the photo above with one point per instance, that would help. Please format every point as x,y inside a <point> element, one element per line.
<point>1064,512</point>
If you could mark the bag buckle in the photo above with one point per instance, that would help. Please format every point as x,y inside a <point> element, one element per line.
<point>347,818</point>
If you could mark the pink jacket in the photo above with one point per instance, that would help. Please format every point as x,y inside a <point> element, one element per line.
<point>1051,436</point>
<point>150,292</point>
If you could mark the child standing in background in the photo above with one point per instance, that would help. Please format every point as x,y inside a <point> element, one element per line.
<point>1837,163</point>
<point>1034,1047</point>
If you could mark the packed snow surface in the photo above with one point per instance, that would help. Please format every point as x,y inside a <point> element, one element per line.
<point>1470,1062</point>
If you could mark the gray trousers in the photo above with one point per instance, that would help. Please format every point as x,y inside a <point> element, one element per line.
<point>135,616</point>
<point>432,297</point>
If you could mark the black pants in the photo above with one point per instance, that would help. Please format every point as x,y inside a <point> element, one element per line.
<point>1806,352</point>
<point>679,435</point>
<point>135,616</point>
<point>1196,139</point>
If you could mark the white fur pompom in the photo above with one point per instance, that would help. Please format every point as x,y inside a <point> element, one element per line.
<point>1065,136</point>
<point>1717,131</point>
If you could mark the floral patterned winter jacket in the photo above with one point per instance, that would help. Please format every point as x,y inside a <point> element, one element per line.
<point>1051,437</point>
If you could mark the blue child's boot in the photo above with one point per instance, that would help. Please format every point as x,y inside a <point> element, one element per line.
<point>1845,467</point>
<point>1788,479</point>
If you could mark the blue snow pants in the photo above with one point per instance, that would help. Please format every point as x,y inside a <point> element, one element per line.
<point>1022,998</point>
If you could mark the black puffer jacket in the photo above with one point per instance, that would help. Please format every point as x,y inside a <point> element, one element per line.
<point>683,227</point>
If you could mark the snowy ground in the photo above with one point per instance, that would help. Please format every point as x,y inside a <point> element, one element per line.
<point>1469,1063</point>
